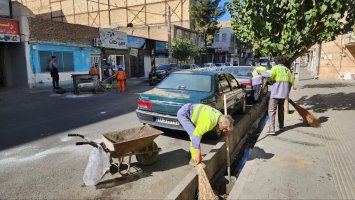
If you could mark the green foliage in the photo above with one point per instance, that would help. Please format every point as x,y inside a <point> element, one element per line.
<point>183,49</point>
<point>288,28</point>
<point>205,14</point>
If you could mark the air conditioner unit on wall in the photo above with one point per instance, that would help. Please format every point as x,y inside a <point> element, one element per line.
<point>97,42</point>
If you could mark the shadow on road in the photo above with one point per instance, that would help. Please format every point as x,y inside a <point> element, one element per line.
<point>259,153</point>
<point>166,161</point>
<point>208,138</point>
<point>27,117</point>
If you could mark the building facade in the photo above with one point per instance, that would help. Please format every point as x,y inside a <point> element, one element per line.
<point>71,44</point>
<point>113,13</point>
<point>334,59</point>
<point>226,48</point>
<point>151,19</point>
<point>13,45</point>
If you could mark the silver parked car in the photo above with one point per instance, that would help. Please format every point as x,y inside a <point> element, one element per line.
<point>189,67</point>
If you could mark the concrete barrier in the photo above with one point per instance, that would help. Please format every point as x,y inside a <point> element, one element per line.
<point>216,159</point>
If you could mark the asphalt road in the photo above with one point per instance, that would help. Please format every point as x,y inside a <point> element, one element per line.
<point>38,160</point>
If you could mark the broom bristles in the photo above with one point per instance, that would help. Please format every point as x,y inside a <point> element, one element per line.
<point>306,115</point>
<point>205,191</point>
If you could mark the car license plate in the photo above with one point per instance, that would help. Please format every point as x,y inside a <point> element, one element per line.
<point>167,121</point>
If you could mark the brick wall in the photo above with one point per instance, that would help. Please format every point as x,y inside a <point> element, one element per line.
<point>60,32</point>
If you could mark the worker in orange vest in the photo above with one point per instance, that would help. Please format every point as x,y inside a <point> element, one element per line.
<point>121,79</point>
<point>94,71</point>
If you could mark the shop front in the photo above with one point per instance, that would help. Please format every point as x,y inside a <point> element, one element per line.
<point>12,56</point>
<point>70,60</point>
<point>114,49</point>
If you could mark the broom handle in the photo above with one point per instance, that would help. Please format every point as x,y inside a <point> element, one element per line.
<point>227,141</point>
<point>292,103</point>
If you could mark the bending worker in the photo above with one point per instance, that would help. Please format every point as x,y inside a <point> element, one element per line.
<point>197,120</point>
<point>257,81</point>
<point>121,79</point>
<point>281,77</point>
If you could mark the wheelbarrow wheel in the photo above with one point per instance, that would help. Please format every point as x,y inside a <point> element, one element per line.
<point>150,157</point>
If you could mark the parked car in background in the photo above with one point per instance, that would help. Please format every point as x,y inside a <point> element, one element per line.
<point>189,67</point>
<point>244,75</point>
<point>219,64</point>
<point>159,106</point>
<point>161,72</point>
<point>208,65</point>
<point>249,61</point>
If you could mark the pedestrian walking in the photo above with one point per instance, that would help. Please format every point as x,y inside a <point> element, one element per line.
<point>197,120</point>
<point>257,80</point>
<point>121,79</point>
<point>53,67</point>
<point>281,77</point>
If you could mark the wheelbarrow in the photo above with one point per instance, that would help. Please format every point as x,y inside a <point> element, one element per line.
<point>120,144</point>
<point>85,82</point>
<point>136,141</point>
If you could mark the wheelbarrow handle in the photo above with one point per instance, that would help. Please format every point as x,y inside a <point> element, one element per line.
<point>75,135</point>
<point>89,143</point>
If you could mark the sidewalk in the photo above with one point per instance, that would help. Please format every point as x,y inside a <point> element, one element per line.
<point>67,87</point>
<point>303,162</point>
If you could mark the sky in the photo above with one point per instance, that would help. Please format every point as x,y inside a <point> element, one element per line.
<point>226,16</point>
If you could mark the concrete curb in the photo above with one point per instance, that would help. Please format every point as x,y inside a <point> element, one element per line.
<point>216,159</point>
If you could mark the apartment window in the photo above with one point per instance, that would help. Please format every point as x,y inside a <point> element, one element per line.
<point>224,37</point>
<point>216,38</point>
<point>65,60</point>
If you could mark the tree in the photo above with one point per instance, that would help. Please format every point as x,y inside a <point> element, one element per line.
<point>205,14</point>
<point>183,49</point>
<point>288,28</point>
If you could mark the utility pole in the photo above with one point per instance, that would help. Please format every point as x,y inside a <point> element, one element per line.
<point>169,36</point>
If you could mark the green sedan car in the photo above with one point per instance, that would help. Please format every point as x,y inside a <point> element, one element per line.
<point>159,106</point>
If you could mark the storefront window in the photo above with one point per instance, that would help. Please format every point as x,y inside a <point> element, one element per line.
<point>65,60</point>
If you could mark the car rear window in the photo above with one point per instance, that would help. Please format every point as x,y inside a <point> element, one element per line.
<point>193,82</point>
<point>240,71</point>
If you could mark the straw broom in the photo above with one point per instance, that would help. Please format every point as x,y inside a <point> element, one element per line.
<point>306,115</point>
<point>205,191</point>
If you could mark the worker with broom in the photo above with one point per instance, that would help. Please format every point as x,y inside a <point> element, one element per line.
<point>121,79</point>
<point>197,120</point>
<point>281,77</point>
<point>257,80</point>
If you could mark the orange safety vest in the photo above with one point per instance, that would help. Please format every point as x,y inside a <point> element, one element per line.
<point>120,75</point>
<point>93,71</point>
